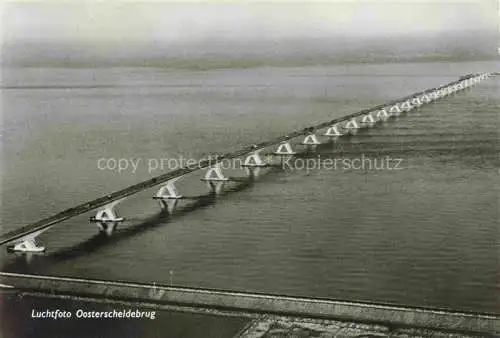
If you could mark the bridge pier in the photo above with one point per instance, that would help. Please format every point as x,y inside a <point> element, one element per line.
<point>351,126</point>
<point>426,98</point>
<point>333,132</point>
<point>416,101</point>
<point>383,115</point>
<point>27,244</point>
<point>253,163</point>
<point>168,191</point>
<point>395,110</point>
<point>215,179</point>
<point>107,219</point>
<point>214,174</point>
<point>406,106</point>
<point>311,142</point>
<point>168,196</point>
<point>254,160</point>
<point>284,151</point>
<point>367,121</point>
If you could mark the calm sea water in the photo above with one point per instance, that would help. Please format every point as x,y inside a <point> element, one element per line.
<point>424,235</point>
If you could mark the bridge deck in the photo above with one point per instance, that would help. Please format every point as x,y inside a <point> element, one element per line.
<point>117,195</point>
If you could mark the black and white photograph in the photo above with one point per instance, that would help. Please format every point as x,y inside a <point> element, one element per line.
<point>250,169</point>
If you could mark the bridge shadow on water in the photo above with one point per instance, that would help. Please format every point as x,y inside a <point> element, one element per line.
<point>36,263</point>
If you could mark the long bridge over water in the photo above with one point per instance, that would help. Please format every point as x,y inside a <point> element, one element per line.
<point>23,239</point>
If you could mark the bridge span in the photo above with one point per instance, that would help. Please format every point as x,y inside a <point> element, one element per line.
<point>23,238</point>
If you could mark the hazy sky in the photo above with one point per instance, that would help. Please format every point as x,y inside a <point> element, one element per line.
<point>162,21</point>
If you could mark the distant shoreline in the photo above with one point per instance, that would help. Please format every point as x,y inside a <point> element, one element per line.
<point>215,64</point>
